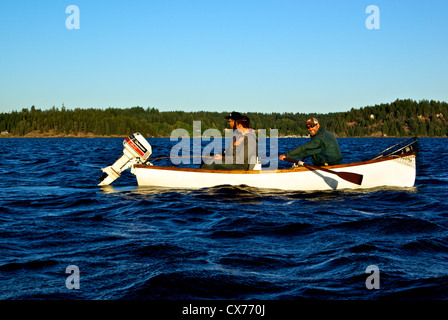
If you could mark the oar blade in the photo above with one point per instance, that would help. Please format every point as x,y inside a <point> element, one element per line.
<point>351,177</point>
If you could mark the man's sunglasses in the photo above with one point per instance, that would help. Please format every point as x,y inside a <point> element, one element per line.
<point>310,126</point>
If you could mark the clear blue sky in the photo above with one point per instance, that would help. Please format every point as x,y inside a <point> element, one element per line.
<point>222,55</point>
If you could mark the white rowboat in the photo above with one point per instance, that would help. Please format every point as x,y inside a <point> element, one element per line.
<point>394,167</point>
<point>392,171</point>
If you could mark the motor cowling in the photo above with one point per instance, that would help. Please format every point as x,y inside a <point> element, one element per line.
<point>136,151</point>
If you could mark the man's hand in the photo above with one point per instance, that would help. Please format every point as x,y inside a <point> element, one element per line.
<point>281,157</point>
<point>238,142</point>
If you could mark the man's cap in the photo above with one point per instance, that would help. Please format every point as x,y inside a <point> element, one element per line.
<point>312,121</point>
<point>234,115</point>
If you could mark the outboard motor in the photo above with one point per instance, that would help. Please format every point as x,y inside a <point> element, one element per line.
<point>136,151</point>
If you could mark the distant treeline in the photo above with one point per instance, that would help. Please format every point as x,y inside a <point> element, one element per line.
<point>401,118</point>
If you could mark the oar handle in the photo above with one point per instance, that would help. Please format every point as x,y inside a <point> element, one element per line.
<point>293,161</point>
<point>309,166</point>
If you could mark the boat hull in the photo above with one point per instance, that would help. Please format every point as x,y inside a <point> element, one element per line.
<point>395,171</point>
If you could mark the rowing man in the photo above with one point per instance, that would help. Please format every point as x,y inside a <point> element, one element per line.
<point>323,146</point>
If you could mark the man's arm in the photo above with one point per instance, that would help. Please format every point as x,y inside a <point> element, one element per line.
<point>305,150</point>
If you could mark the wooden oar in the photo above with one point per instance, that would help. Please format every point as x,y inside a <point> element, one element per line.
<point>349,176</point>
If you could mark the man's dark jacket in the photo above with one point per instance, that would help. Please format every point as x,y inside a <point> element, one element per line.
<point>323,149</point>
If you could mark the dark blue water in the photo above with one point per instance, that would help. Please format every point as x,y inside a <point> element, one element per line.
<point>218,243</point>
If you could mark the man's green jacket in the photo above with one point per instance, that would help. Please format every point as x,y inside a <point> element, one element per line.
<point>323,149</point>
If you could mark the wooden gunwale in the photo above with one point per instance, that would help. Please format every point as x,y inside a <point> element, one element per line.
<point>345,165</point>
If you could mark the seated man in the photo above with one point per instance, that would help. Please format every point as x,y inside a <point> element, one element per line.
<point>243,156</point>
<point>323,147</point>
<point>232,118</point>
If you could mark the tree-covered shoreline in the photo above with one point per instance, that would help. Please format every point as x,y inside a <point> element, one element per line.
<point>401,118</point>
